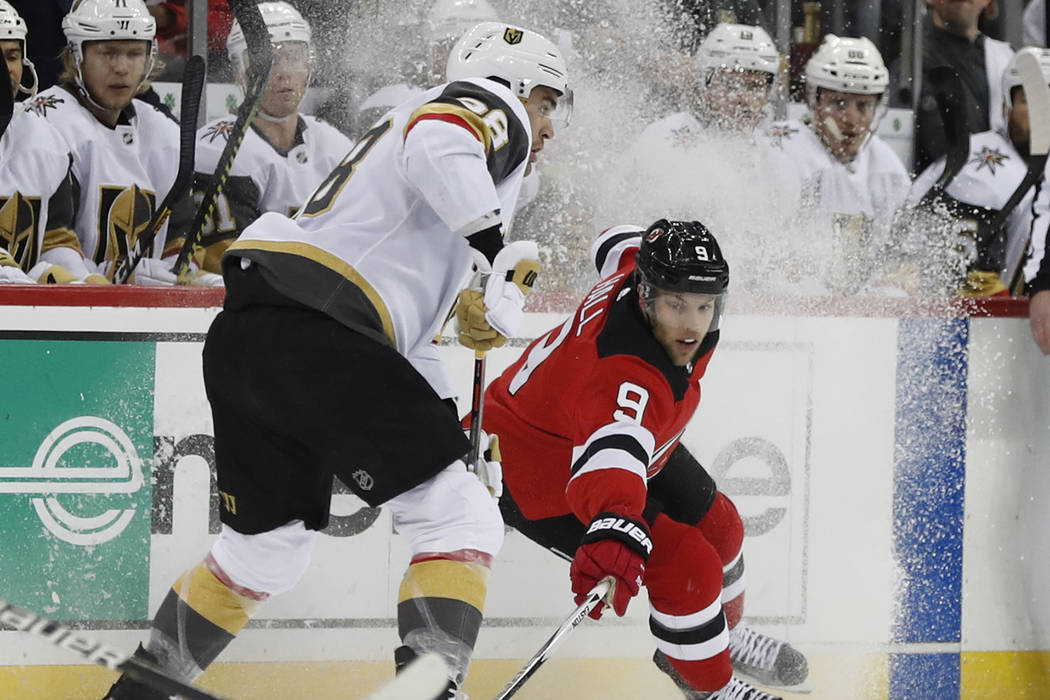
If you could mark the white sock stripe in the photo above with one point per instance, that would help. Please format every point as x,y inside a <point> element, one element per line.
<point>696,652</point>
<point>733,590</point>
<point>685,622</point>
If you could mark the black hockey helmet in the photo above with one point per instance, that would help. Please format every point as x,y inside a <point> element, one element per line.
<point>682,256</point>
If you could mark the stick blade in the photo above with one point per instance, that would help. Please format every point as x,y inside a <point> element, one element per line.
<point>423,679</point>
<point>256,36</point>
<point>1037,93</point>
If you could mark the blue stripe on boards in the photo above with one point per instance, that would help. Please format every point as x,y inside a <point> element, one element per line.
<point>929,480</point>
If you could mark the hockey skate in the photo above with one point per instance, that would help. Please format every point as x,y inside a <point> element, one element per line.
<point>127,688</point>
<point>736,689</point>
<point>765,660</point>
<point>404,656</point>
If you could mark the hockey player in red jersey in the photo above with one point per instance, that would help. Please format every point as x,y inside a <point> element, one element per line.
<point>589,420</point>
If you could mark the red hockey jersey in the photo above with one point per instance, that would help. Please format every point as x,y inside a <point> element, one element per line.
<point>592,409</point>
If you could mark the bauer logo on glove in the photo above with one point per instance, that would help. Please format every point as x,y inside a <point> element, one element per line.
<point>490,310</point>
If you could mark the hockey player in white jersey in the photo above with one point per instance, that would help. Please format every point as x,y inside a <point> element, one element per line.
<point>13,38</point>
<point>285,154</point>
<point>709,159</point>
<point>996,165</point>
<point>124,151</point>
<point>36,193</point>
<point>338,310</point>
<point>736,68</point>
<point>850,178</point>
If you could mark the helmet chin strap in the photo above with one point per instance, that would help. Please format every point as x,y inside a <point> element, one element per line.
<point>86,94</point>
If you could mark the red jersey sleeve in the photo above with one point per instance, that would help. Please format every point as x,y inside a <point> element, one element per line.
<point>614,436</point>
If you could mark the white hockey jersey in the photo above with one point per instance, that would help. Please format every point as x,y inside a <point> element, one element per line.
<point>681,169</point>
<point>262,178</point>
<point>36,193</point>
<point>387,97</point>
<point>874,184</point>
<point>381,245</point>
<point>992,172</point>
<point>119,174</point>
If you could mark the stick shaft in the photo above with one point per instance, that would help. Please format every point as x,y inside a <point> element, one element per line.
<point>547,650</point>
<point>95,651</point>
<point>477,411</point>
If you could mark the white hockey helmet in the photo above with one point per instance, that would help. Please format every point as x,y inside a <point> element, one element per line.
<point>449,19</point>
<point>737,47</point>
<point>847,65</point>
<point>520,57</point>
<point>13,28</point>
<point>108,20</point>
<point>284,23</point>
<point>1011,76</point>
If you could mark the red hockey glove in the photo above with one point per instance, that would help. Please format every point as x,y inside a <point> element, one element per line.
<point>615,545</point>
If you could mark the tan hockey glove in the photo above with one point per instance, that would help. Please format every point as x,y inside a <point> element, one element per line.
<point>490,310</point>
<point>982,283</point>
<point>47,273</point>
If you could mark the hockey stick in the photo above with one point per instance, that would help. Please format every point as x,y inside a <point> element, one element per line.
<point>22,620</point>
<point>7,101</point>
<point>192,87</point>
<point>477,410</point>
<point>260,65</point>
<point>597,594</point>
<point>951,102</point>
<point>1037,93</point>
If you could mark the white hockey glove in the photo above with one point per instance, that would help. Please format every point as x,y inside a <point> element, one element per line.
<point>195,276</point>
<point>152,272</point>
<point>490,310</point>
<point>490,464</point>
<point>10,272</point>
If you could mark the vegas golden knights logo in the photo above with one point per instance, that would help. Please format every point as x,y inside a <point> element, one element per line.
<point>126,213</point>
<point>18,228</point>
<point>512,35</point>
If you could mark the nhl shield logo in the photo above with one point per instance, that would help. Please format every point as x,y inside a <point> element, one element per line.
<point>513,36</point>
<point>364,480</point>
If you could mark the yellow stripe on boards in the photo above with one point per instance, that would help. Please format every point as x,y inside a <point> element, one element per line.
<point>443,578</point>
<point>1001,675</point>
